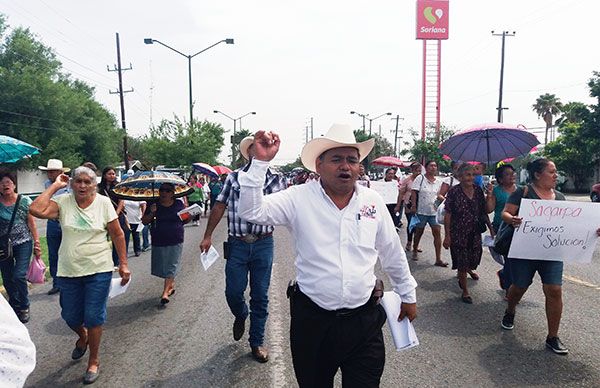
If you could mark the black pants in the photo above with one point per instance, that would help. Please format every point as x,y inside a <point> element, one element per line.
<point>395,218</point>
<point>322,342</point>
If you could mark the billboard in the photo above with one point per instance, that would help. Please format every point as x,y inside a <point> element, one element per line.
<point>432,19</point>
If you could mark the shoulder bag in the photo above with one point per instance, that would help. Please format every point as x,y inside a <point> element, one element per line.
<point>505,233</point>
<point>6,248</point>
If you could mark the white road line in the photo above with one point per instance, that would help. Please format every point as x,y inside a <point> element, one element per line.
<point>575,280</point>
<point>278,337</point>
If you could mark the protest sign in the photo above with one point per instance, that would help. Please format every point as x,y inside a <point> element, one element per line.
<point>556,230</point>
<point>387,190</point>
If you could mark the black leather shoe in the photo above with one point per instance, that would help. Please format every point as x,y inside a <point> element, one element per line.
<point>53,290</point>
<point>91,377</point>
<point>77,353</point>
<point>239,325</point>
<point>23,315</point>
<point>260,354</point>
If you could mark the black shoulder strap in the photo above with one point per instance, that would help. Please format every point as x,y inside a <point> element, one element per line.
<point>14,214</point>
<point>422,179</point>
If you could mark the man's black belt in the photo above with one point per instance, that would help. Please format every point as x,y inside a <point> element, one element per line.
<point>252,238</point>
<point>341,313</point>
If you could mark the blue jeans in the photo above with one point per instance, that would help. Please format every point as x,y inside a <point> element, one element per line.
<point>145,237</point>
<point>53,239</point>
<point>136,238</point>
<point>83,299</point>
<point>255,259</point>
<point>14,273</point>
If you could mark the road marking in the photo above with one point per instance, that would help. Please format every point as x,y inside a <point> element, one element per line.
<point>575,280</point>
<point>278,337</point>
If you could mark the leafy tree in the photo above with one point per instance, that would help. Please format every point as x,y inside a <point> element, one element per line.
<point>290,166</point>
<point>547,106</point>
<point>42,105</point>
<point>175,143</point>
<point>382,146</point>
<point>428,148</point>
<point>239,160</point>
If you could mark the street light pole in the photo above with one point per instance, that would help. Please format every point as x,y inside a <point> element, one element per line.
<point>234,130</point>
<point>370,120</point>
<point>189,58</point>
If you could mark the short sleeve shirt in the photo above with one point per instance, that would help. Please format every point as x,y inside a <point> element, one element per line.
<point>167,227</point>
<point>427,192</point>
<point>86,248</point>
<point>20,232</point>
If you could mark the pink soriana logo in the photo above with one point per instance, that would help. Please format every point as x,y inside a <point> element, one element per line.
<point>432,19</point>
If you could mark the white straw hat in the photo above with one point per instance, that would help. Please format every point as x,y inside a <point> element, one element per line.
<point>339,135</point>
<point>245,145</point>
<point>54,165</point>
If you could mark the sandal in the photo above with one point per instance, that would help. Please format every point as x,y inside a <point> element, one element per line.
<point>473,275</point>
<point>467,299</point>
<point>441,264</point>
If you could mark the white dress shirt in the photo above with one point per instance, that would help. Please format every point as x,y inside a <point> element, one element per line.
<point>336,250</point>
<point>17,352</point>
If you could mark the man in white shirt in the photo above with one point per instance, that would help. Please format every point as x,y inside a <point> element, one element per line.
<point>133,212</point>
<point>340,229</point>
<point>17,352</point>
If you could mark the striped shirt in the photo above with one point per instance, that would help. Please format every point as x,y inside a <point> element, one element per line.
<point>230,196</point>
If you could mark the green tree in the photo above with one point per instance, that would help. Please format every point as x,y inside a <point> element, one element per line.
<point>429,148</point>
<point>239,160</point>
<point>547,106</point>
<point>175,143</point>
<point>290,166</point>
<point>42,105</point>
<point>382,146</point>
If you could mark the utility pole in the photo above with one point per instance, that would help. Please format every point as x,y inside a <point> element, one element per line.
<point>120,92</point>
<point>312,133</point>
<point>306,135</point>
<point>504,34</point>
<point>397,118</point>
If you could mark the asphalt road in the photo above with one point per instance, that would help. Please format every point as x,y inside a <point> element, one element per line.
<point>189,343</point>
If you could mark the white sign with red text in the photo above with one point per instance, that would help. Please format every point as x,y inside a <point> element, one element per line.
<point>556,230</point>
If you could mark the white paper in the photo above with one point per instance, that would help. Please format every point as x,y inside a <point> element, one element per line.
<point>192,210</point>
<point>488,241</point>
<point>209,258</point>
<point>556,230</point>
<point>387,190</point>
<point>403,332</point>
<point>116,288</point>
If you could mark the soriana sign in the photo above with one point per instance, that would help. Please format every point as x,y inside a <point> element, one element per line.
<point>432,19</point>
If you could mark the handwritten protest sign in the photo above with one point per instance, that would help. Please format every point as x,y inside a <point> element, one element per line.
<point>556,230</point>
<point>387,190</point>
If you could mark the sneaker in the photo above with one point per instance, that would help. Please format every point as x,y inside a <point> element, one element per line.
<point>554,344</point>
<point>146,249</point>
<point>508,321</point>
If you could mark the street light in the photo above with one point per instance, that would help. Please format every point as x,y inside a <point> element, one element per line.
<point>234,128</point>
<point>370,120</point>
<point>189,57</point>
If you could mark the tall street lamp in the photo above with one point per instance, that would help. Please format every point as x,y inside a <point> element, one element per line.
<point>189,58</point>
<point>234,129</point>
<point>370,119</point>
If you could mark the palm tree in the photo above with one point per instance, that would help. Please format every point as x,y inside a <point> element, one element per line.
<point>547,106</point>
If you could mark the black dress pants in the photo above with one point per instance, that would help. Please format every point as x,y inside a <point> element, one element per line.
<point>323,342</point>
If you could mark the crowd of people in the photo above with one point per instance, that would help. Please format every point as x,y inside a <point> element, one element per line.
<point>336,319</point>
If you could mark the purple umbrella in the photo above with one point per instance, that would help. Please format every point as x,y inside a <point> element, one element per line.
<point>489,143</point>
<point>205,169</point>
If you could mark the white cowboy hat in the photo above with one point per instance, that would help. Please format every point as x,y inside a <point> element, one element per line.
<point>245,145</point>
<point>54,165</point>
<point>339,135</point>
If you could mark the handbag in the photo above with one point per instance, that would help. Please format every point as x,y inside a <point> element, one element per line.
<point>6,248</point>
<point>37,271</point>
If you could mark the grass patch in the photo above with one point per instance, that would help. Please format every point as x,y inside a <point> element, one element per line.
<point>44,247</point>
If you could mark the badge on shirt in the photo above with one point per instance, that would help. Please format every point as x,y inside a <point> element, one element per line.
<point>367,211</point>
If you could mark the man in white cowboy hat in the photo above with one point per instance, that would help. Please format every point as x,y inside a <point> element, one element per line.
<point>54,168</point>
<point>340,228</point>
<point>250,252</point>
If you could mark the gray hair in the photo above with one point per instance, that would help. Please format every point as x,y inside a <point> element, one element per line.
<point>82,170</point>
<point>462,168</point>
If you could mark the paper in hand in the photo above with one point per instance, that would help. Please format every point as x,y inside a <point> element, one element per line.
<point>116,288</point>
<point>208,258</point>
<point>403,332</point>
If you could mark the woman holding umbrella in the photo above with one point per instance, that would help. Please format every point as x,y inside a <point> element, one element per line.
<point>167,237</point>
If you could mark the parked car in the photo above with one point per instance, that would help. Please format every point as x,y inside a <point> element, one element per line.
<point>595,193</point>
